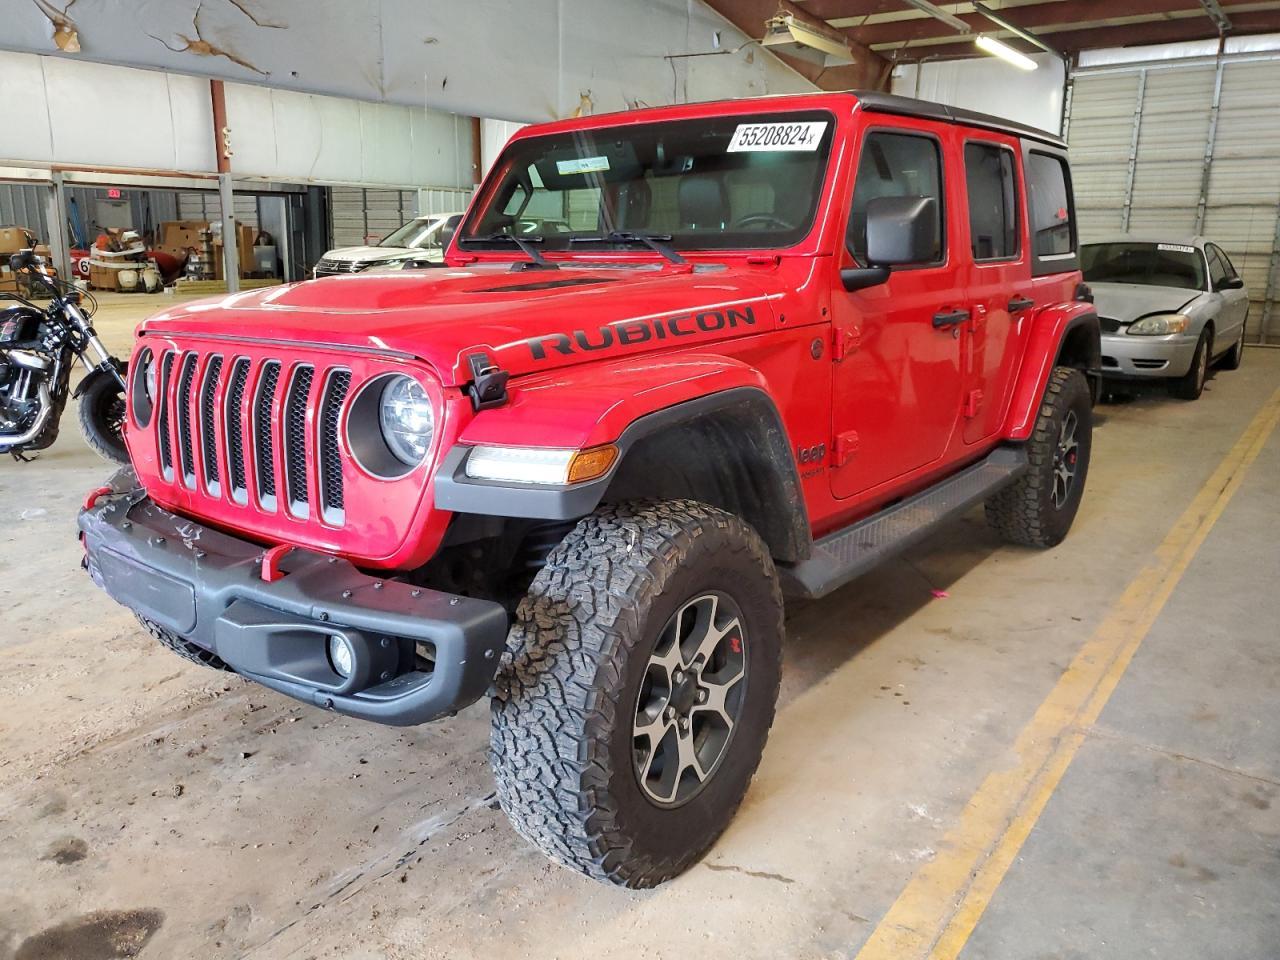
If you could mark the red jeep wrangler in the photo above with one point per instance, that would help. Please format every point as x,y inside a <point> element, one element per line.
<point>681,362</point>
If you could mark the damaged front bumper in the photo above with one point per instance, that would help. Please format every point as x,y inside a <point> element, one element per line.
<point>417,654</point>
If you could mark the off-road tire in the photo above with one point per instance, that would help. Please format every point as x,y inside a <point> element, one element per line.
<point>1190,385</point>
<point>1025,512</point>
<point>184,648</point>
<point>97,416</point>
<point>1232,359</point>
<point>562,735</point>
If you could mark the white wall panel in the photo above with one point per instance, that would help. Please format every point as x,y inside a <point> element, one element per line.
<point>991,86</point>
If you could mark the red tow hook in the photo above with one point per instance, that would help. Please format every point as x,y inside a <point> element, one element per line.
<point>93,496</point>
<point>271,571</point>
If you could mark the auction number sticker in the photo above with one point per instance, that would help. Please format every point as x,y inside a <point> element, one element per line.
<point>582,165</point>
<point>1175,247</point>
<point>802,136</point>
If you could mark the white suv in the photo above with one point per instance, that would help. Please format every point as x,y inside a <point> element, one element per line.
<point>423,238</point>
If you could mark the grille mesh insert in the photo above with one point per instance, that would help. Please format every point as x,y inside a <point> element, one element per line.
<point>330,457</point>
<point>295,439</point>
<point>162,426</point>
<point>235,433</point>
<point>208,421</point>
<point>185,379</point>
<point>263,442</point>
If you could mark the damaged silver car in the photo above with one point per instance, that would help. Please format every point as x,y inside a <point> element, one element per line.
<point>1168,309</point>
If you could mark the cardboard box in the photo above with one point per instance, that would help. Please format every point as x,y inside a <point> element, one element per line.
<point>102,278</point>
<point>13,239</point>
<point>244,251</point>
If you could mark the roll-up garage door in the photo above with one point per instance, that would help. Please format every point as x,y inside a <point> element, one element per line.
<point>366,214</point>
<point>1175,149</point>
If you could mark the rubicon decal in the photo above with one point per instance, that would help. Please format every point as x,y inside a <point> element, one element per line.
<point>632,333</point>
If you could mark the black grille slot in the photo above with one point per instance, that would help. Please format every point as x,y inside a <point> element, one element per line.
<point>330,457</point>
<point>208,422</point>
<point>264,444</point>
<point>295,437</point>
<point>1109,325</point>
<point>162,423</point>
<point>185,379</point>
<point>235,434</point>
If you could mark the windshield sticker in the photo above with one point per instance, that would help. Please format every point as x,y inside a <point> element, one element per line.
<point>582,165</point>
<point>1175,247</point>
<point>751,137</point>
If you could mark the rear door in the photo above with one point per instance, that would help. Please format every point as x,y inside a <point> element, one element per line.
<point>897,382</point>
<point>999,281</point>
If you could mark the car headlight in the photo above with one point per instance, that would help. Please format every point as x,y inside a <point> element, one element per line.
<point>1159,325</point>
<point>407,420</point>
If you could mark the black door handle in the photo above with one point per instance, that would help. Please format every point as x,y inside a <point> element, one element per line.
<point>949,318</point>
<point>1020,303</point>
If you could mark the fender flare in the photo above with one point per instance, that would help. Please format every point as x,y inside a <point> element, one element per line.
<point>89,379</point>
<point>787,531</point>
<point>1052,329</point>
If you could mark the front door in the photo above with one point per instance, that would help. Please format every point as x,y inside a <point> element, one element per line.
<point>897,376</point>
<point>1000,292</point>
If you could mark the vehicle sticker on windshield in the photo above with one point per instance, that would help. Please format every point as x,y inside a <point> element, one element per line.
<point>582,165</point>
<point>1175,247</point>
<point>803,136</point>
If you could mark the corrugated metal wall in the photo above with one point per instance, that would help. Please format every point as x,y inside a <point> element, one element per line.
<point>361,215</point>
<point>1176,149</point>
<point>25,204</point>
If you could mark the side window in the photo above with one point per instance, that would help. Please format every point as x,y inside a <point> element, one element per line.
<point>1227,265</point>
<point>1052,232</point>
<point>993,201</point>
<point>1217,269</point>
<point>894,165</point>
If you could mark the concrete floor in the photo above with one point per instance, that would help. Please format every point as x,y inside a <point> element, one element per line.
<point>147,802</point>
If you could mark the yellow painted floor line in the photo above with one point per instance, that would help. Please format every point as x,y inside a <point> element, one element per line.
<point>937,911</point>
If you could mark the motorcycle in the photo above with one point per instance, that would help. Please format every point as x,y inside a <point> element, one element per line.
<point>38,348</point>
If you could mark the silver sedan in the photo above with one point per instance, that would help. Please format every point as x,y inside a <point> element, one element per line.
<point>1168,309</point>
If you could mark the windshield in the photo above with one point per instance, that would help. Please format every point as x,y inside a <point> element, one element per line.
<point>421,233</point>
<point>1150,264</point>
<point>715,183</point>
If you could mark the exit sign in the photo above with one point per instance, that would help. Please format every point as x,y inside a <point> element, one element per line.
<point>113,193</point>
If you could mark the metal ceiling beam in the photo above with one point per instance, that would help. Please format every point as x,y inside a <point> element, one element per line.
<point>1169,31</point>
<point>1214,10</point>
<point>954,22</point>
<point>1030,18</point>
<point>869,71</point>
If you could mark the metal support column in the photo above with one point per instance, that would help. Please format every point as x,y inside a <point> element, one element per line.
<point>230,251</point>
<point>56,215</point>
<point>1068,94</point>
<point>1269,298</point>
<point>1133,152</point>
<point>1207,165</point>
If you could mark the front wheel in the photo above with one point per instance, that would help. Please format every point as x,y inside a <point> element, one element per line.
<point>1038,508</point>
<point>1191,384</point>
<point>102,413</point>
<point>633,704</point>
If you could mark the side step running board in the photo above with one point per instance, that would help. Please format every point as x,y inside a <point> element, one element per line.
<point>846,554</point>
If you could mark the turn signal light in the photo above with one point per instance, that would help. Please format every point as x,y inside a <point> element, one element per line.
<point>592,463</point>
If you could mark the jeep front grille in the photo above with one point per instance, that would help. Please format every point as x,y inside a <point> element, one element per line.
<point>266,426</point>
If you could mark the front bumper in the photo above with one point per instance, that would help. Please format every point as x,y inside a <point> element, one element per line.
<point>1126,356</point>
<point>206,587</point>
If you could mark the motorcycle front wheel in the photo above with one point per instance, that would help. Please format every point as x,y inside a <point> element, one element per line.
<point>102,413</point>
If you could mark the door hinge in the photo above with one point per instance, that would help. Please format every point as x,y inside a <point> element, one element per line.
<point>844,341</point>
<point>972,402</point>
<point>846,446</point>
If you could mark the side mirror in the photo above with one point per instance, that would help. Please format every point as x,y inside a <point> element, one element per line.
<point>1232,283</point>
<point>902,230</point>
<point>446,235</point>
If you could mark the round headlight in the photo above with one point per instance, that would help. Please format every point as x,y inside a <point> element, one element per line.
<point>150,376</point>
<point>143,389</point>
<point>407,420</point>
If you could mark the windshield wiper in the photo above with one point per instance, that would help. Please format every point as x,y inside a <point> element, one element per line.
<point>659,243</point>
<point>526,245</point>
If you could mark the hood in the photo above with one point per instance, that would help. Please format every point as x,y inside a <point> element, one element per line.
<point>362,254</point>
<point>527,321</point>
<point>1126,302</point>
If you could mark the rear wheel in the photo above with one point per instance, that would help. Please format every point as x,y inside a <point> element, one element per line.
<point>1191,384</point>
<point>638,689</point>
<point>1038,508</point>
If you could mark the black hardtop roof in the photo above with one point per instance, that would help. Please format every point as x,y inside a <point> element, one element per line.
<point>876,102</point>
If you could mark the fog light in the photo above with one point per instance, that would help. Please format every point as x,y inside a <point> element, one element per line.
<point>341,656</point>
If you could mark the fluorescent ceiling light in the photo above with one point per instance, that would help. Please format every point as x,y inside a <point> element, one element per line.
<point>785,34</point>
<point>1005,52</point>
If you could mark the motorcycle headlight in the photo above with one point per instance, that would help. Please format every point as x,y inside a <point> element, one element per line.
<point>407,420</point>
<point>1159,325</point>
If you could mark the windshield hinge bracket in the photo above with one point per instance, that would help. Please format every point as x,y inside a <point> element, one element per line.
<point>488,386</point>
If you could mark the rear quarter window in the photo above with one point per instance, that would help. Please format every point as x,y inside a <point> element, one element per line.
<point>1051,212</point>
